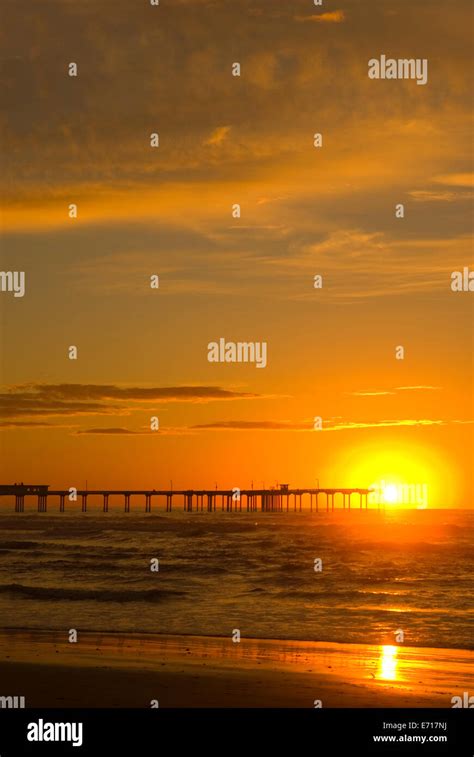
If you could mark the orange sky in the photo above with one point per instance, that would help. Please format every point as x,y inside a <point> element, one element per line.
<point>304,211</point>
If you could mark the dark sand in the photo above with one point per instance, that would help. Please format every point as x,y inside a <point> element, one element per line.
<point>108,670</point>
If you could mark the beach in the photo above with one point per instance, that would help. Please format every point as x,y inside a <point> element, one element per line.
<point>117,670</point>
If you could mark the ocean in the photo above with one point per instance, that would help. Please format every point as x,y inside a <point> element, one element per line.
<point>381,573</point>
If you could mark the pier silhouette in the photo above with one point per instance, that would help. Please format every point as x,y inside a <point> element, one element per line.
<point>281,499</point>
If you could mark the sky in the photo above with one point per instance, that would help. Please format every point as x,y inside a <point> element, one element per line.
<point>304,211</point>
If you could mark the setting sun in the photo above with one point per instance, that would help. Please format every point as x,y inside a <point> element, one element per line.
<point>390,494</point>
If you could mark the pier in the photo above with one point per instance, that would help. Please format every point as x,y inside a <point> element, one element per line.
<point>281,499</point>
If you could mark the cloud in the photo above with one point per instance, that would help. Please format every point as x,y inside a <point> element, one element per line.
<point>328,425</point>
<point>254,425</point>
<point>385,392</point>
<point>421,195</point>
<point>65,131</point>
<point>350,425</point>
<point>459,185</point>
<point>218,135</point>
<point>29,424</point>
<point>369,394</point>
<point>456,179</point>
<point>379,265</point>
<point>120,431</point>
<point>102,399</point>
<point>109,431</point>
<point>418,387</point>
<point>332,17</point>
<point>30,405</point>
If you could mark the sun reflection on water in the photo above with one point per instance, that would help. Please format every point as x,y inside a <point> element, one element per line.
<point>387,668</point>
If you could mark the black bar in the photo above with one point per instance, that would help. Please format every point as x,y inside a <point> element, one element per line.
<point>316,732</point>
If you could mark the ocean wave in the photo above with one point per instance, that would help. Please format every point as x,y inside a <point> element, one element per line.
<point>71,565</point>
<point>98,595</point>
<point>10,544</point>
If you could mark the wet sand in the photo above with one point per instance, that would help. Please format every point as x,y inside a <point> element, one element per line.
<point>114,670</point>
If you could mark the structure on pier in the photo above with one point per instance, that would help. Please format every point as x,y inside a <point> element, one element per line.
<point>20,491</point>
<point>282,499</point>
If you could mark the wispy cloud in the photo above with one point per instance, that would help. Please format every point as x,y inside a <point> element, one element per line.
<point>243,425</point>
<point>380,266</point>
<point>426,195</point>
<point>328,425</point>
<point>353,425</point>
<point>120,431</point>
<point>386,392</point>
<point>255,425</point>
<point>331,17</point>
<point>218,135</point>
<point>456,179</point>
<point>369,394</point>
<point>30,424</point>
<point>418,387</point>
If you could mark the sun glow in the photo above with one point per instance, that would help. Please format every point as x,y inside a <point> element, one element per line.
<point>400,475</point>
